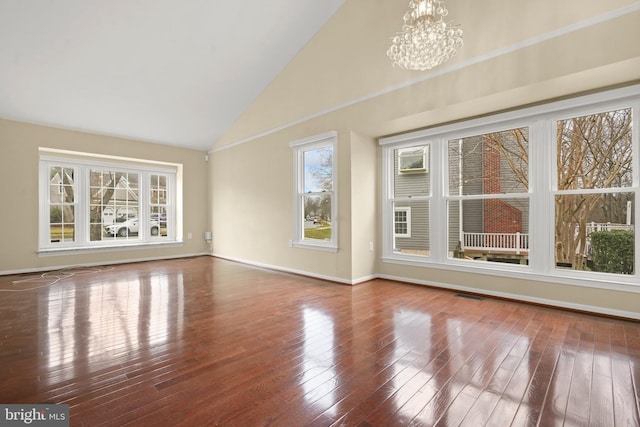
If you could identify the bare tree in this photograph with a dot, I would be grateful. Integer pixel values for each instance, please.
(322, 173)
(593, 152)
(512, 147)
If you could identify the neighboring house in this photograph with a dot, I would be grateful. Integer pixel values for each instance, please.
(411, 217)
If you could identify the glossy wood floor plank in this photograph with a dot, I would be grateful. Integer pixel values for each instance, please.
(203, 341)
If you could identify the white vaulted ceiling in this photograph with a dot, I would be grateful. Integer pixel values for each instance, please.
(175, 72)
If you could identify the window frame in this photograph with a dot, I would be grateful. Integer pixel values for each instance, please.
(299, 147)
(83, 164)
(540, 120)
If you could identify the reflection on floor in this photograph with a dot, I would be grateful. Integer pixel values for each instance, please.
(203, 341)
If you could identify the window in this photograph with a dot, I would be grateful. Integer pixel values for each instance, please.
(594, 192)
(488, 200)
(159, 204)
(548, 192)
(410, 198)
(62, 204)
(315, 201)
(402, 222)
(91, 202)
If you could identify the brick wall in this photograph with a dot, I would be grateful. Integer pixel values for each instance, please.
(499, 216)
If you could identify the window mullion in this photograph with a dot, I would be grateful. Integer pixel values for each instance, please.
(387, 200)
(542, 174)
(438, 224)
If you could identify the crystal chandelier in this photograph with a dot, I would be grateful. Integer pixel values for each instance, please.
(425, 41)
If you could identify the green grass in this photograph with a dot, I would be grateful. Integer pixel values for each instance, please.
(55, 232)
(320, 233)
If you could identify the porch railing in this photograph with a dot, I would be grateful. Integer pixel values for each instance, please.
(606, 226)
(503, 242)
(518, 242)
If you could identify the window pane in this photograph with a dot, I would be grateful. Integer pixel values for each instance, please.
(489, 230)
(411, 173)
(317, 217)
(318, 170)
(578, 216)
(114, 204)
(493, 163)
(595, 151)
(411, 227)
(62, 223)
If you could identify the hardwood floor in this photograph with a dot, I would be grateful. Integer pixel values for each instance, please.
(203, 341)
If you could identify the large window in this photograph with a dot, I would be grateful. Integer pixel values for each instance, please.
(88, 202)
(315, 202)
(548, 191)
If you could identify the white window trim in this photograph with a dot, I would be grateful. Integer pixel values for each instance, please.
(82, 163)
(407, 210)
(299, 147)
(540, 121)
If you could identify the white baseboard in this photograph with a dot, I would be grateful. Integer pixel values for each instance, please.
(515, 297)
(286, 270)
(94, 264)
(518, 297)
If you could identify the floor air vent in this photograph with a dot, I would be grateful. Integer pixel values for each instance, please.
(474, 297)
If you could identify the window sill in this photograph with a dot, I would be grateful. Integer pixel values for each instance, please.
(317, 246)
(110, 248)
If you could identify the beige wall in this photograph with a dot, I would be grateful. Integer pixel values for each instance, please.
(253, 207)
(516, 54)
(363, 180)
(19, 143)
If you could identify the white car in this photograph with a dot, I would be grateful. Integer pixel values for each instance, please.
(130, 227)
